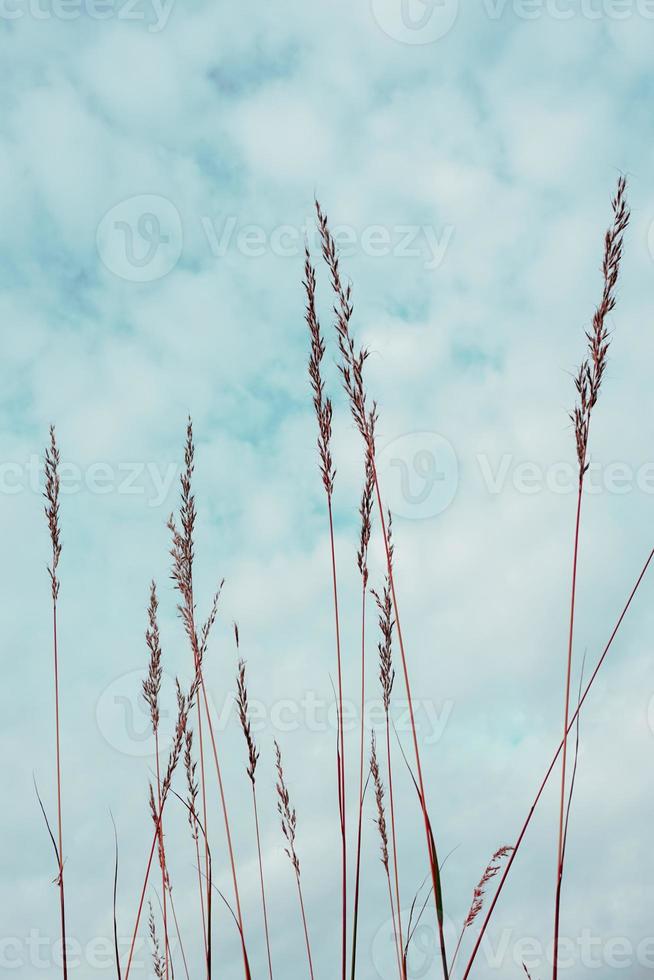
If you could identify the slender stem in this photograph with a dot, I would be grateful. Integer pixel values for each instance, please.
(341, 741)
(573, 596)
(226, 819)
(438, 898)
(179, 936)
(229, 844)
(198, 669)
(263, 889)
(203, 784)
(391, 801)
(203, 781)
(142, 899)
(357, 880)
(304, 923)
(573, 719)
(62, 900)
(162, 854)
(201, 890)
(398, 951)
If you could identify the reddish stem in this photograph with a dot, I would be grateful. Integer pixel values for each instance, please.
(163, 857)
(62, 900)
(357, 879)
(204, 817)
(142, 899)
(227, 829)
(391, 801)
(263, 889)
(438, 898)
(398, 951)
(512, 856)
(179, 937)
(573, 596)
(201, 890)
(341, 740)
(304, 923)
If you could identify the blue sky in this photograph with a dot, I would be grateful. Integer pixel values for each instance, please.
(159, 165)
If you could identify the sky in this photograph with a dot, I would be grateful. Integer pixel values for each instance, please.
(160, 161)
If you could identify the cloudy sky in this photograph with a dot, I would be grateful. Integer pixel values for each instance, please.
(159, 162)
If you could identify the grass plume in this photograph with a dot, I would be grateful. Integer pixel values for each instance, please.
(288, 818)
(588, 382)
(253, 758)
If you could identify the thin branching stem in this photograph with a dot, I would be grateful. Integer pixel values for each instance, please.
(552, 764)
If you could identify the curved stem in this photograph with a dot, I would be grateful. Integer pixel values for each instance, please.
(341, 741)
(433, 859)
(566, 721)
(391, 800)
(263, 890)
(162, 853)
(573, 719)
(357, 880)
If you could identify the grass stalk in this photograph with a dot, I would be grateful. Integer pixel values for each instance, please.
(52, 488)
(588, 383)
(253, 758)
(288, 819)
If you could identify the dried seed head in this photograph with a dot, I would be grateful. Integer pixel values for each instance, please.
(182, 549)
(183, 706)
(51, 494)
(321, 404)
(588, 379)
(379, 799)
(480, 891)
(365, 512)
(191, 783)
(152, 683)
(160, 839)
(182, 553)
(386, 625)
(286, 812)
(352, 363)
(243, 714)
(157, 959)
